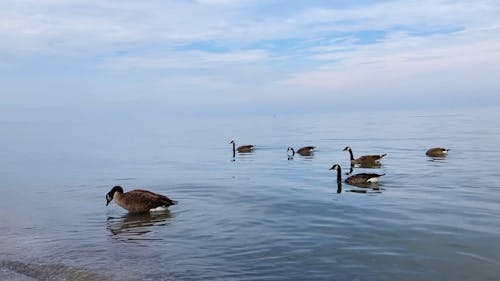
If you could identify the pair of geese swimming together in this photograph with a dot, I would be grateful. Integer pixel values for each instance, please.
(304, 151)
(139, 200)
(365, 161)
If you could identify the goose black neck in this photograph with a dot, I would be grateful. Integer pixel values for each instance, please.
(116, 188)
(293, 151)
(339, 174)
(350, 153)
(234, 150)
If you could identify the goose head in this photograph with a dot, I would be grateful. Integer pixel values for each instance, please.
(348, 148)
(335, 167)
(231, 142)
(111, 194)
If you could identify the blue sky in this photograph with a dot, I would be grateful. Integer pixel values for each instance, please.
(243, 55)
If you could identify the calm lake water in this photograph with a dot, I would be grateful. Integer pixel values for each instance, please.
(262, 216)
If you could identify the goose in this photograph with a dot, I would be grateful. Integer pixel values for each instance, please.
(437, 152)
(362, 179)
(365, 160)
(241, 149)
(139, 200)
(304, 151)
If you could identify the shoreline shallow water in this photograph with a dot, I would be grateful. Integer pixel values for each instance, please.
(19, 271)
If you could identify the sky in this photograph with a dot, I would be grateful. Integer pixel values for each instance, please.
(245, 56)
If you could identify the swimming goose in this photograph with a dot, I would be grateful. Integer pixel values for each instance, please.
(361, 180)
(242, 149)
(139, 201)
(365, 161)
(437, 152)
(304, 151)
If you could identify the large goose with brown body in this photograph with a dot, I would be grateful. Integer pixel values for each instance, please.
(365, 160)
(437, 152)
(304, 151)
(139, 200)
(361, 180)
(242, 149)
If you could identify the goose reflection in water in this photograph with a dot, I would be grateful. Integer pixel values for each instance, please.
(364, 190)
(133, 226)
(367, 165)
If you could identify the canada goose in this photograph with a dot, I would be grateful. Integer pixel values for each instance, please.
(365, 161)
(138, 201)
(437, 152)
(361, 180)
(304, 151)
(241, 149)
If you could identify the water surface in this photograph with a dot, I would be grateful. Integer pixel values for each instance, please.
(261, 216)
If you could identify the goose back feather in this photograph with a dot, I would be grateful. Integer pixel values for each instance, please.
(361, 180)
(365, 160)
(306, 150)
(437, 152)
(245, 148)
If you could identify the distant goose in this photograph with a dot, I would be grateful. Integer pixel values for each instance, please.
(139, 201)
(304, 151)
(242, 149)
(437, 152)
(362, 179)
(365, 160)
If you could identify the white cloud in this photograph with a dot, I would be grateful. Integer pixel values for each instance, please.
(185, 60)
(98, 25)
(407, 65)
(255, 50)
